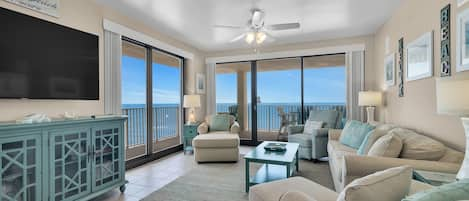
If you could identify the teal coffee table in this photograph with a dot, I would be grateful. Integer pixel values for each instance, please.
(277, 165)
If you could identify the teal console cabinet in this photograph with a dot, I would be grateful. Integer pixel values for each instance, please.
(62, 160)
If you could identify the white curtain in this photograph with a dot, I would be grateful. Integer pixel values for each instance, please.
(355, 65)
(211, 89)
(112, 73)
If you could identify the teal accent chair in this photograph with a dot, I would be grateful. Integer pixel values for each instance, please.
(313, 145)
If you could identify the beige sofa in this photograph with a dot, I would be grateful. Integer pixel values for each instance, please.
(274, 191)
(217, 146)
(346, 165)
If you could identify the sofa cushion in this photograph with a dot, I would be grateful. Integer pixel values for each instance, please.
(220, 122)
(311, 126)
(296, 196)
(449, 192)
(219, 140)
(452, 156)
(419, 147)
(329, 117)
(354, 133)
(274, 190)
(379, 131)
(389, 145)
(388, 185)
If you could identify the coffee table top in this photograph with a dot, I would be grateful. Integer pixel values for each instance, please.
(260, 154)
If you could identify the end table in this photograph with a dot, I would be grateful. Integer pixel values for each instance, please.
(190, 131)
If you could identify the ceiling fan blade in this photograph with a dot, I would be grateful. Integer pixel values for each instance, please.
(279, 27)
(240, 37)
(228, 27)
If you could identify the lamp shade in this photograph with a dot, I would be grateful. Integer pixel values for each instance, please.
(191, 101)
(452, 96)
(370, 98)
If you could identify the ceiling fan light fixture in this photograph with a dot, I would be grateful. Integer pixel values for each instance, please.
(260, 37)
(250, 37)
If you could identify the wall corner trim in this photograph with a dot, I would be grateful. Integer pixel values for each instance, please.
(127, 32)
(289, 53)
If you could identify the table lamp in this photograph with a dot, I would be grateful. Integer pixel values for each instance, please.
(191, 102)
(370, 99)
(452, 97)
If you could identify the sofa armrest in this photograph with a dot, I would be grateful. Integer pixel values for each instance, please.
(294, 129)
(235, 128)
(203, 128)
(355, 166)
(334, 134)
(322, 132)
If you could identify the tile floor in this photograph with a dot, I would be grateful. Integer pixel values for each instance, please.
(150, 177)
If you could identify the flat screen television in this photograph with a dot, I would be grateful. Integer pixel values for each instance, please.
(43, 60)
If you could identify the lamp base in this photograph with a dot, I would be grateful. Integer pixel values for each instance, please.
(370, 114)
(464, 171)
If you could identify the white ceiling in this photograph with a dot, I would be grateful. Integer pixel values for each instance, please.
(191, 21)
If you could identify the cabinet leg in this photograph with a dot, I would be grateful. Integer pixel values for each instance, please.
(122, 188)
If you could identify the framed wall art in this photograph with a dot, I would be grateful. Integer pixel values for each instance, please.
(390, 70)
(49, 7)
(420, 57)
(462, 44)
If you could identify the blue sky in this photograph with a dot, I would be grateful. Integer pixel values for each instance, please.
(166, 82)
(322, 85)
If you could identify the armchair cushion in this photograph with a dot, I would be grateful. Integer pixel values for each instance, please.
(354, 133)
(389, 185)
(311, 126)
(235, 128)
(203, 128)
(329, 117)
(220, 123)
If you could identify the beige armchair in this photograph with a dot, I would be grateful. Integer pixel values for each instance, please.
(218, 139)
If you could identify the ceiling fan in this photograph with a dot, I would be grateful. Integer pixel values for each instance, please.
(257, 31)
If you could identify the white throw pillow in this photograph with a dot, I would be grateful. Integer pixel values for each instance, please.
(388, 185)
(295, 196)
(310, 126)
(390, 145)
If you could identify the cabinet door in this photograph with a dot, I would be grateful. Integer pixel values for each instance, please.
(108, 156)
(69, 162)
(21, 168)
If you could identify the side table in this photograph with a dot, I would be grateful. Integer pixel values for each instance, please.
(190, 131)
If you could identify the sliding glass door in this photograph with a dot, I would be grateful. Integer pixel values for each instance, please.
(134, 97)
(166, 96)
(151, 97)
(284, 90)
(233, 93)
(278, 96)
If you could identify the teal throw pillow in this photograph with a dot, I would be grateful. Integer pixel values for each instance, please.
(354, 133)
(361, 149)
(220, 123)
(458, 190)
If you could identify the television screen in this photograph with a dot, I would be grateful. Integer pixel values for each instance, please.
(43, 60)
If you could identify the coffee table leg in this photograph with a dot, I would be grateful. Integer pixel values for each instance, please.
(297, 161)
(247, 176)
(288, 170)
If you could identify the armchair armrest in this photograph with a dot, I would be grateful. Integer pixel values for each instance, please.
(294, 129)
(203, 128)
(322, 132)
(355, 166)
(334, 134)
(235, 128)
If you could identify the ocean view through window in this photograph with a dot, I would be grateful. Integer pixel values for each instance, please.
(157, 78)
(279, 88)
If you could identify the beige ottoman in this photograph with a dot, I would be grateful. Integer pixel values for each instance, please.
(216, 147)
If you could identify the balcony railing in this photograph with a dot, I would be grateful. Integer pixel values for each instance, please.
(268, 118)
(165, 123)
